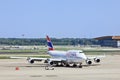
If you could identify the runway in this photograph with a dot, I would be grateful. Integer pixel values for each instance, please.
(108, 69)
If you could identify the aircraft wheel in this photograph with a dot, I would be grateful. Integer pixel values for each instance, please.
(63, 64)
(74, 65)
(80, 66)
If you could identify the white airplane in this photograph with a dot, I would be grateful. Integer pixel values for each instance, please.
(68, 58)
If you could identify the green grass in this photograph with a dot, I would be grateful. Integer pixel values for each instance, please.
(23, 51)
(38, 56)
(41, 52)
(4, 57)
(14, 51)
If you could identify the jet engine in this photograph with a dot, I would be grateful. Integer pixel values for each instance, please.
(88, 62)
(97, 60)
(31, 61)
(51, 62)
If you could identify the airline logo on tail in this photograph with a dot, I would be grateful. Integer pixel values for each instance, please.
(49, 43)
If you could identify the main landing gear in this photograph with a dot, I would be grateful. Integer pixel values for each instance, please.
(73, 65)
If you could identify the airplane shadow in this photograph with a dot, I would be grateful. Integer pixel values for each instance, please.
(91, 65)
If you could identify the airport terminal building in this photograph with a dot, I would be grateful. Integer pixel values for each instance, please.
(109, 41)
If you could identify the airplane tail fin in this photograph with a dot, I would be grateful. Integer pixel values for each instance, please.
(49, 44)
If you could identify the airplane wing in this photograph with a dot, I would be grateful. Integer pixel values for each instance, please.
(30, 59)
(53, 59)
(33, 58)
(18, 57)
(93, 57)
(96, 59)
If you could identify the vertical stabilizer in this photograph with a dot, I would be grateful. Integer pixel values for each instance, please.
(49, 43)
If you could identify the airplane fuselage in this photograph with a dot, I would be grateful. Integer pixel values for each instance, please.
(70, 56)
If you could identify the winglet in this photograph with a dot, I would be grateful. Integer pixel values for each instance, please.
(49, 43)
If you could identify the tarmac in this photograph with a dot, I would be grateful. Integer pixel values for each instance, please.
(20, 69)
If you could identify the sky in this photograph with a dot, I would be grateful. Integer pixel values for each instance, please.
(59, 18)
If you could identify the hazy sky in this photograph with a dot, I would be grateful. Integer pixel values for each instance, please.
(59, 18)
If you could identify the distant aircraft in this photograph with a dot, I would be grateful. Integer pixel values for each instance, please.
(73, 58)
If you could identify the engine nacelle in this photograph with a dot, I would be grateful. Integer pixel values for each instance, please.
(51, 63)
(31, 61)
(97, 60)
(88, 62)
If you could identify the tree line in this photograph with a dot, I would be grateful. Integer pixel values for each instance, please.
(42, 41)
